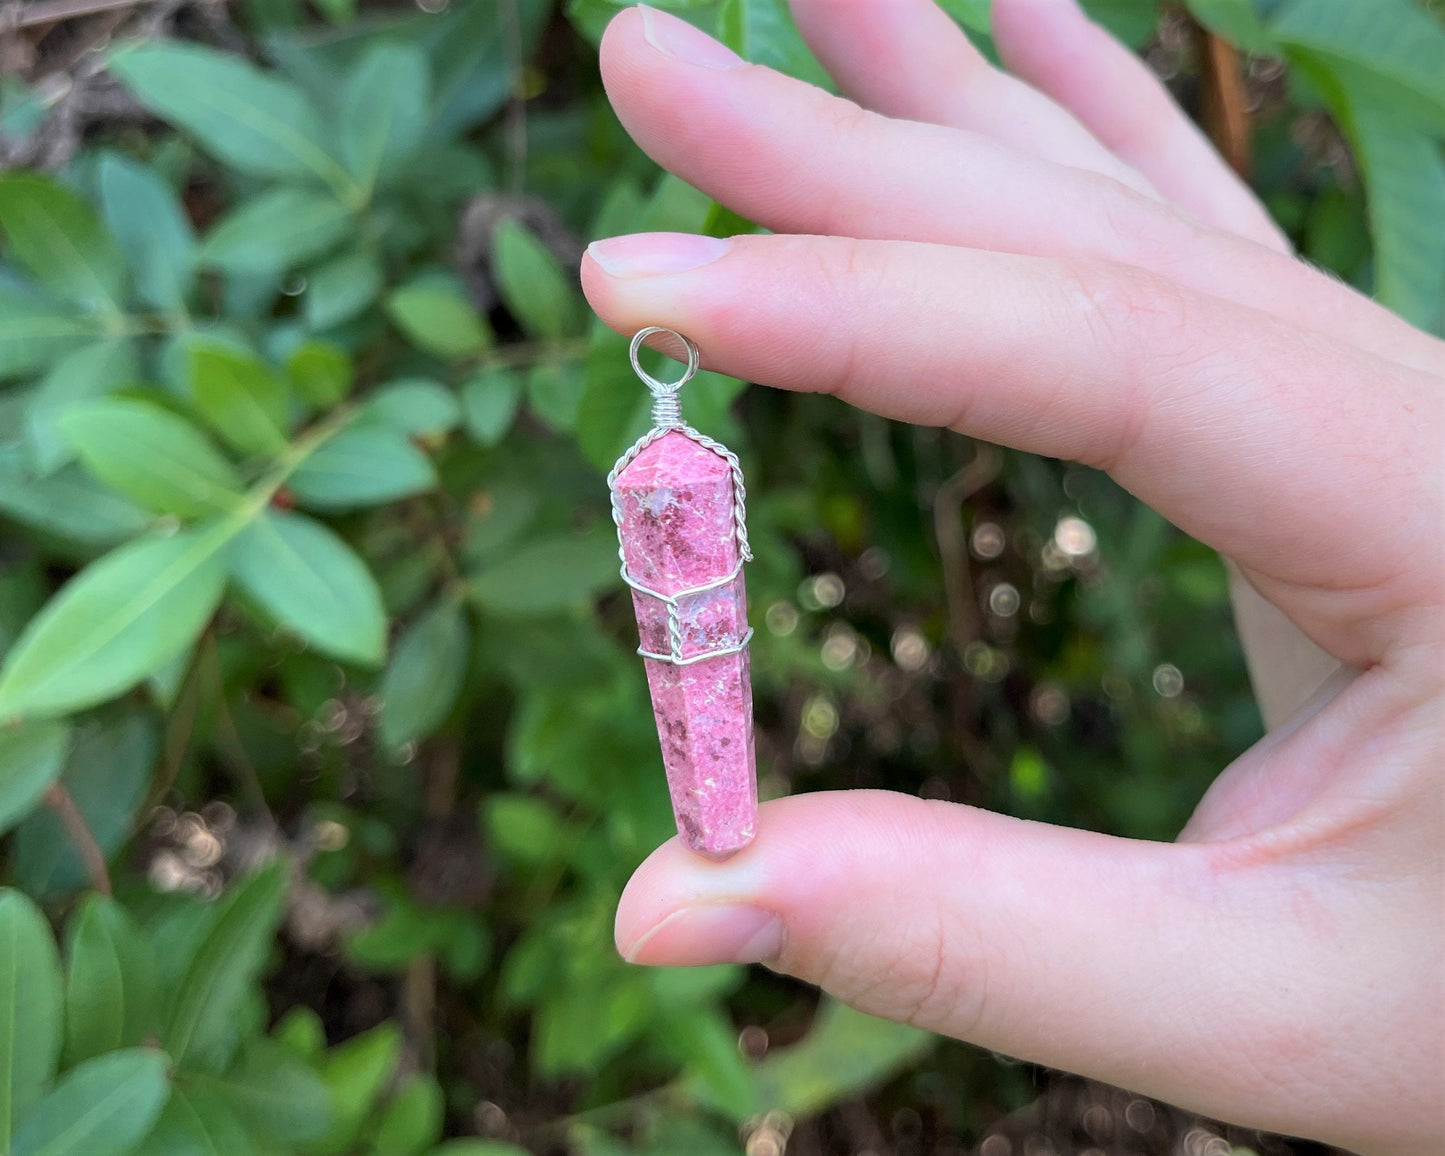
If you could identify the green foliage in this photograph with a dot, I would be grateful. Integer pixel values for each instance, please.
(306, 560)
(312, 582)
(121, 619)
(58, 238)
(103, 1107)
(30, 1009)
(200, 1024)
(31, 757)
(110, 983)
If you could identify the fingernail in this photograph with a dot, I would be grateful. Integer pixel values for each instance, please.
(649, 254)
(693, 936)
(677, 38)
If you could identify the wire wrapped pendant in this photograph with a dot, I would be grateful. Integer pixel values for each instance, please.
(678, 501)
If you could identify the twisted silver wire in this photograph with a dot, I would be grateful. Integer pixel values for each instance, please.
(667, 418)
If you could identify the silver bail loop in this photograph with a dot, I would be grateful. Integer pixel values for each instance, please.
(666, 408)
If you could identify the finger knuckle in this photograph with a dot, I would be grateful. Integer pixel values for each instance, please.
(929, 974)
(1141, 330)
(844, 275)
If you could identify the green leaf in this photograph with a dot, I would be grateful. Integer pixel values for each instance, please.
(412, 1120)
(536, 291)
(282, 1098)
(1237, 22)
(763, 32)
(470, 48)
(404, 930)
(489, 403)
(337, 11)
(1391, 47)
(55, 235)
(313, 584)
(580, 1026)
(23, 590)
(416, 406)
(713, 1067)
(301, 1033)
(195, 1122)
(1405, 182)
(555, 391)
(355, 1073)
(113, 623)
(972, 14)
(364, 466)
(524, 829)
(424, 676)
(549, 575)
(107, 774)
(111, 985)
(151, 456)
(438, 320)
(241, 398)
(165, 682)
(844, 1055)
(470, 1147)
(29, 1009)
(84, 375)
(34, 331)
(723, 222)
(147, 219)
(31, 758)
(340, 289)
(102, 1108)
(277, 230)
(256, 123)
(1132, 21)
(320, 372)
(70, 505)
(384, 110)
(200, 1030)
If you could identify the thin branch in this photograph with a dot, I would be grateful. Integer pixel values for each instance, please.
(53, 11)
(230, 737)
(981, 469)
(1226, 101)
(516, 123)
(59, 800)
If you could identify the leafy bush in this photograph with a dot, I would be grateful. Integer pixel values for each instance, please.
(323, 742)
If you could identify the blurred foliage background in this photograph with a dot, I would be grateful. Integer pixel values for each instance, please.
(325, 754)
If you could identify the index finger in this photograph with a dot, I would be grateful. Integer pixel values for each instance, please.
(1203, 408)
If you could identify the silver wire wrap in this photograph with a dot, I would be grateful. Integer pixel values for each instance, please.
(667, 417)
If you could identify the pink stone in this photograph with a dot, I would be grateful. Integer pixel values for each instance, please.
(676, 500)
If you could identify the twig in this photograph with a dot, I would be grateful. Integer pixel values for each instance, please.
(62, 802)
(239, 760)
(511, 17)
(419, 985)
(981, 469)
(53, 11)
(178, 733)
(1226, 103)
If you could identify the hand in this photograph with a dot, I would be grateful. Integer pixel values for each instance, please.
(1065, 266)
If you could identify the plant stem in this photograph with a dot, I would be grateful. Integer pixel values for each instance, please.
(62, 802)
(52, 11)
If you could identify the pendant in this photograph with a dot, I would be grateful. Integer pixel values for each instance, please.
(678, 501)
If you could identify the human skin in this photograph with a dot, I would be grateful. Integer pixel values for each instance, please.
(1057, 261)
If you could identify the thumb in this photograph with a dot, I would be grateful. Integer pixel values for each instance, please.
(1111, 957)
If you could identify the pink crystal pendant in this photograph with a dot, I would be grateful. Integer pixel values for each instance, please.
(678, 501)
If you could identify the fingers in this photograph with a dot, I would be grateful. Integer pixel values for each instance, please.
(798, 160)
(1198, 406)
(1060, 51)
(1163, 968)
(908, 59)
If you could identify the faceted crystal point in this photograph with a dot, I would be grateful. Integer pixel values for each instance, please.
(676, 500)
